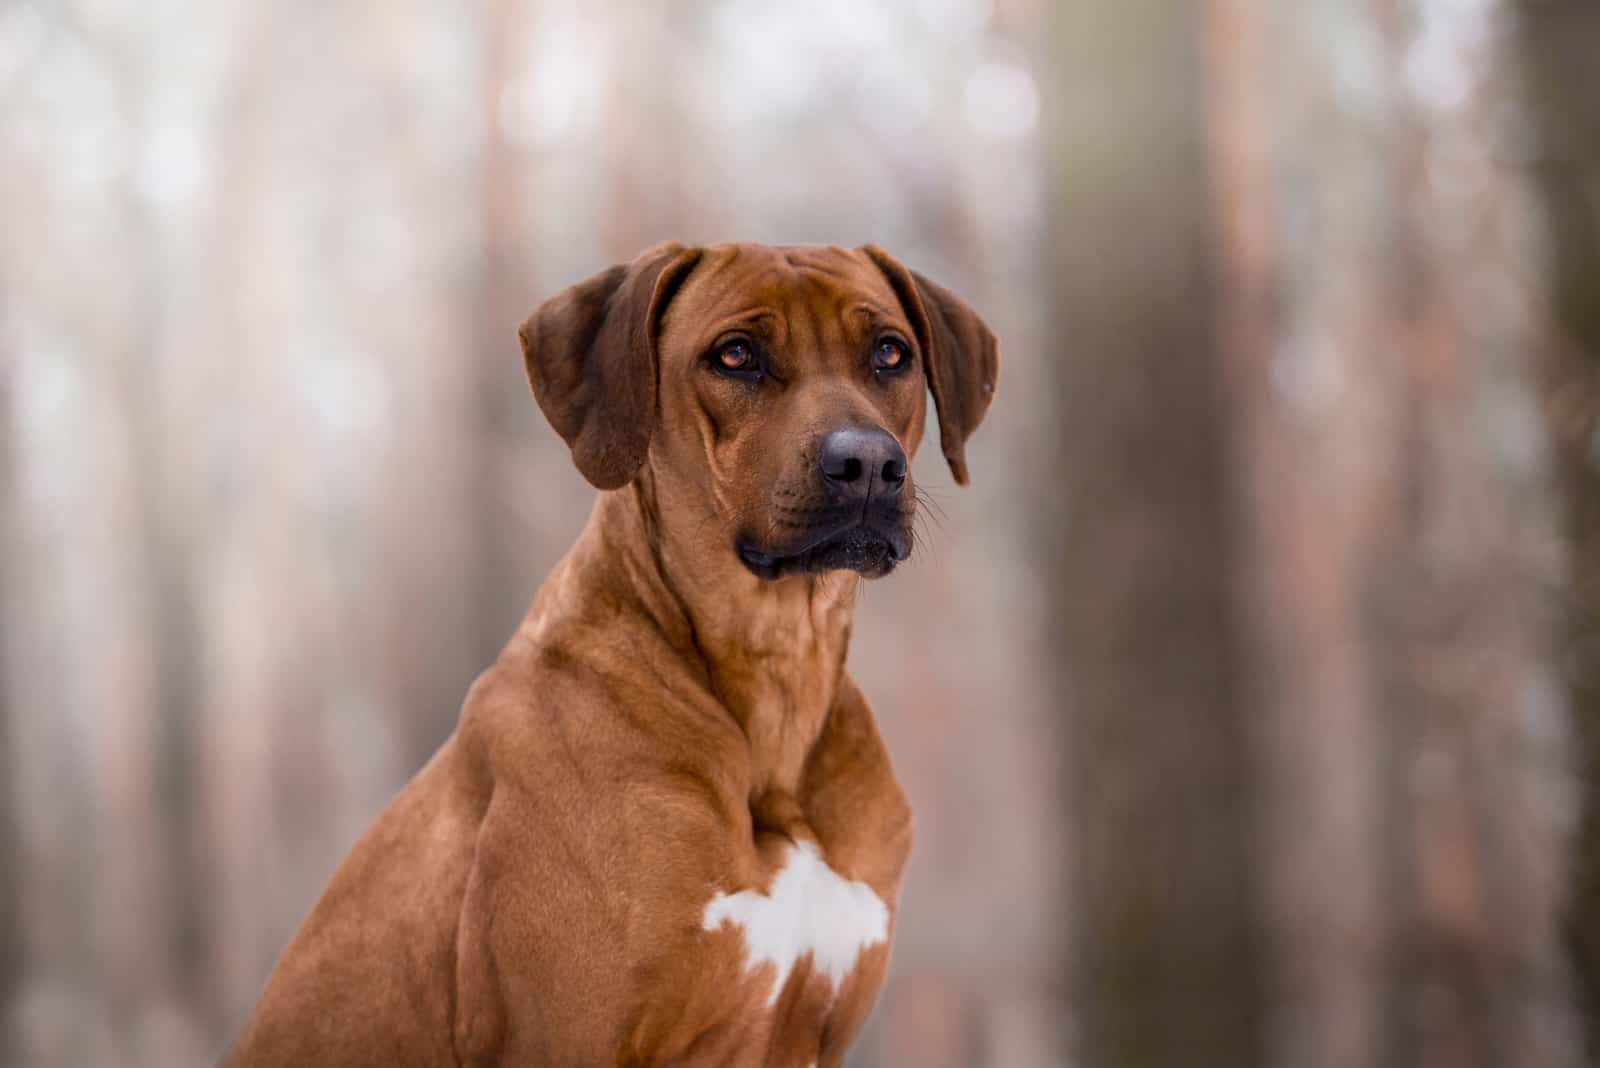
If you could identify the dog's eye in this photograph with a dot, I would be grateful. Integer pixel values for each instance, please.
(889, 355)
(737, 357)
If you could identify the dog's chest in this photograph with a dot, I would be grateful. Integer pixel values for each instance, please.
(790, 956)
(810, 916)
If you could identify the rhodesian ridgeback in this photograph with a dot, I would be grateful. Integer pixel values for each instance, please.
(665, 830)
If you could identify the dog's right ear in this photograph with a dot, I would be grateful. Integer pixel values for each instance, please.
(591, 356)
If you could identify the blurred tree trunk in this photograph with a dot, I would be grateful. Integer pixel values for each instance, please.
(504, 298)
(166, 601)
(1165, 962)
(1314, 735)
(156, 948)
(1559, 42)
(11, 944)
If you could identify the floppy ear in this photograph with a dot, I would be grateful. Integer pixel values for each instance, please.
(591, 356)
(961, 353)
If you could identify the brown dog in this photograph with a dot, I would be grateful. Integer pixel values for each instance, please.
(665, 831)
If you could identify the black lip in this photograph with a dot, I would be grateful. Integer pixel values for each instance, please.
(842, 547)
(755, 559)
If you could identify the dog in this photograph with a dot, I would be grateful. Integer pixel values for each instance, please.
(665, 830)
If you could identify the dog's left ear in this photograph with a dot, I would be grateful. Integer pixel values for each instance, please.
(590, 352)
(962, 355)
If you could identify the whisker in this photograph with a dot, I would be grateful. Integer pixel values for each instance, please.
(933, 496)
(923, 542)
(935, 510)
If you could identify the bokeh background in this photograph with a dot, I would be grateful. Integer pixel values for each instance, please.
(1249, 700)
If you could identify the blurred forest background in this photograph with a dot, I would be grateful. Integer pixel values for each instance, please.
(1249, 701)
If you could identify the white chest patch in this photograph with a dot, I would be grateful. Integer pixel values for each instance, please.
(810, 909)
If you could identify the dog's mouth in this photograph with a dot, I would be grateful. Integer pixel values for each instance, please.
(864, 547)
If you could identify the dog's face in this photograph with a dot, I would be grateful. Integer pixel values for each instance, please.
(776, 394)
(792, 382)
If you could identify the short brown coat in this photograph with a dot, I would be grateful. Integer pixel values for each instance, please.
(663, 722)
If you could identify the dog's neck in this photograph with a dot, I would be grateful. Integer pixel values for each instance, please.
(772, 652)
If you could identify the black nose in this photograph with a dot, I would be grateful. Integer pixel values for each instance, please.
(856, 461)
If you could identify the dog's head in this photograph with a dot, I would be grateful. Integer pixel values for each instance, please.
(775, 394)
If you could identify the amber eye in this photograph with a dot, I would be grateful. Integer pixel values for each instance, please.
(736, 356)
(889, 355)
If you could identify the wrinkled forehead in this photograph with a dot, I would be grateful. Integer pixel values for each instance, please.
(793, 293)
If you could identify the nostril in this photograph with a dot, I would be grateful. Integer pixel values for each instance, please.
(841, 468)
(894, 470)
